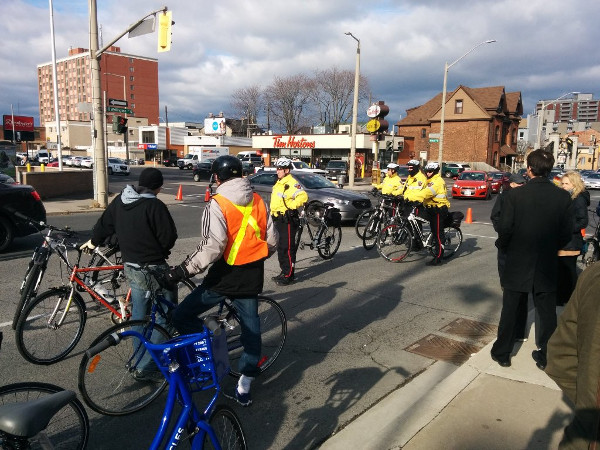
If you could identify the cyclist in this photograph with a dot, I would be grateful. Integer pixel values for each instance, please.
(416, 179)
(146, 234)
(237, 236)
(435, 201)
(391, 182)
(287, 196)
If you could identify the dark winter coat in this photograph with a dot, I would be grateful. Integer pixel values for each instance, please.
(580, 212)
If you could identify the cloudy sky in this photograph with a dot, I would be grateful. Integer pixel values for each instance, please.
(544, 48)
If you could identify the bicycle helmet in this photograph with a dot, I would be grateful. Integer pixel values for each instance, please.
(432, 167)
(393, 166)
(284, 163)
(413, 167)
(226, 167)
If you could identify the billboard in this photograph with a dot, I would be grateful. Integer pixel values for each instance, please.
(23, 127)
(214, 125)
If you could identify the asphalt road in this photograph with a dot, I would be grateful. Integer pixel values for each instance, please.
(351, 323)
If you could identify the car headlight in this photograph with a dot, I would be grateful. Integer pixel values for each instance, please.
(338, 201)
(483, 186)
(456, 186)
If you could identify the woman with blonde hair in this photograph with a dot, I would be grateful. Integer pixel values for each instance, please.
(567, 270)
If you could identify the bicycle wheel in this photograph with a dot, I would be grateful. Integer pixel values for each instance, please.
(328, 241)
(452, 239)
(227, 428)
(298, 236)
(29, 290)
(394, 242)
(273, 331)
(68, 429)
(362, 220)
(39, 337)
(371, 231)
(106, 380)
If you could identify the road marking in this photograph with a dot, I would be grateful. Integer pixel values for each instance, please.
(478, 235)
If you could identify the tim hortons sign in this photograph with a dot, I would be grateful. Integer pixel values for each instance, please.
(292, 142)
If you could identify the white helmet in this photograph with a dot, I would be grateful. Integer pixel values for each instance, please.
(413, 162)
(393, 166)
(284, 163)
(432, 167)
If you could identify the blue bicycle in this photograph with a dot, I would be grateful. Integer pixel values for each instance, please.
(190, 363)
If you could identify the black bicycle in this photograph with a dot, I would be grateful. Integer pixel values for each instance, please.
(591, 245)
(323, 225)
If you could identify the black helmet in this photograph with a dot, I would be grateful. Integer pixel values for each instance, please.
(226, 167)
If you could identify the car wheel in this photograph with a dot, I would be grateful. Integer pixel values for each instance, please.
(196, 177)
(190, 166)
(110, 171)
(448, 174)
(180, 167)
(6, 234)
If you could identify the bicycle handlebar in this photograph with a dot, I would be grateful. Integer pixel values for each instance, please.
(111, 340)
(40, 224)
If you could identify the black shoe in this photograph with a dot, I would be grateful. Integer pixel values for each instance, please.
(277, 277)
(242, 399)
(285, 281)
(434, 262)
(502, 362)
(539, 358)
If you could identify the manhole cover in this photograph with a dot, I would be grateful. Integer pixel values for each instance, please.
(438, 347)
(471, 329)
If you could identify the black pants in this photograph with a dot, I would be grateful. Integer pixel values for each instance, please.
(437, 218)
(567, 278)
(286, 246)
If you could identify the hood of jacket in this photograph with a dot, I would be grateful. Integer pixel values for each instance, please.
(237, 190)
(132, 196)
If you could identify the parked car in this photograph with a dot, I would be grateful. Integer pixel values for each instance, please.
(299, 166)
(6, 179)
(202, 170)
(592, 180)
(350, 203)
(23, 199)
(87, 162)
(117, 165)
(247, 168)
(170, 161)
(472, 184)
(555, 175)
(402, 172)
(500, 181)
(337, 167)
(77, 161)
(67, 160)
(450, 170)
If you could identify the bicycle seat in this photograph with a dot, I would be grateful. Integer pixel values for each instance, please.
(29, 418)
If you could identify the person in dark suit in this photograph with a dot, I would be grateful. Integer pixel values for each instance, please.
(536, 222)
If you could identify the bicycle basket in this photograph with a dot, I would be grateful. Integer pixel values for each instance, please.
(203, 358)
(333, 217)
(453, 219)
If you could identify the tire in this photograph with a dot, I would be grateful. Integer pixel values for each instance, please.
(228, 430)
(42, 343)
(110, 171)
(362, 220)
(448, 174)
(328, 241)
(28, 292)
(394, 242)
(105, 380)
(298, 237)
(273, 331)
(371, 231)
(189, 166)
(452, 240)
(69, 428)
(7, 234)
(592, 254)
(196, 178)
(180, 167)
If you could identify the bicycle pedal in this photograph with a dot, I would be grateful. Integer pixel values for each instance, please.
(301, 246)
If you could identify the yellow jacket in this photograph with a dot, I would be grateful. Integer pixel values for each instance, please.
(433, 194)
(412, 183)
(390, 184)
(287, 194)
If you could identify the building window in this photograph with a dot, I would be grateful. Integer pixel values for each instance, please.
(132, 105)
(132, 97)
(131, 69)
(131, 60)
(423, 133)
(458, 107)
(497, 134)
(131, 78)
(131, 87)
(148, 137)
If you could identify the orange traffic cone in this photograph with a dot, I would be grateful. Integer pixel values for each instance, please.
(207, 194)
(179, 195)
(469, 218)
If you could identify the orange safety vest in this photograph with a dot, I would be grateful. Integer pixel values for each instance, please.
(246, 230)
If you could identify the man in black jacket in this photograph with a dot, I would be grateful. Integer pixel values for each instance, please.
(535, 223)
(146, 234)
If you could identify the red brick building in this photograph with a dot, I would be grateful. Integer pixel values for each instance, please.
(123, 77)
(481, 125)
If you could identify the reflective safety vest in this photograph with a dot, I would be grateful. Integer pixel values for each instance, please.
(246, 230)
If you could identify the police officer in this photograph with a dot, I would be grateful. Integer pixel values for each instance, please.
(435, 201)
(391, 182)
(416, 179)
(287, 196)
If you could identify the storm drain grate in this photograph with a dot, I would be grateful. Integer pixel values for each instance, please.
(438, 347)
(471, 329)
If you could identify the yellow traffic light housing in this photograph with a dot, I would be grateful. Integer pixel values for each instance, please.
(164, 31)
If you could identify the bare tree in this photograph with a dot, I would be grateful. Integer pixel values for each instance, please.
(247, 102)
(288, 100)
(332, 91)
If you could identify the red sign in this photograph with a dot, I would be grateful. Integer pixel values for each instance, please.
(292, 142)
(22, 123)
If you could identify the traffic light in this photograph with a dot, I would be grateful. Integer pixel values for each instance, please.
(389, 145)
(121, 124)
(400, 146)
(115, 124)
(569, 143)
(164, 31)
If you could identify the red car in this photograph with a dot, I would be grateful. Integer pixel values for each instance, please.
(473, 184)
(499, 181)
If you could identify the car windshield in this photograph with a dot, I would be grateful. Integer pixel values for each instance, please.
(497, 175)
(593, 176)
(188, 156)
(300, 165)
(472, 176)
(313, 181)
(402, 172)
(336, 165)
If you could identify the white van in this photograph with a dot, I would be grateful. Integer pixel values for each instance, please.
(44, 157)
(253, 157)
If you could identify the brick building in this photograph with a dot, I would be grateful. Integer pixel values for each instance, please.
(123, 76)
(481, 126)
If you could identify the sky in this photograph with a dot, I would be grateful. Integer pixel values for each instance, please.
(543, 48)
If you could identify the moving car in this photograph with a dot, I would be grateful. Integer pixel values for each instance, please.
(473, 184)
(170, 161)
(23, 199)
(202, 170)
(500, 181)
(117, 165)
(592, 180)
(350, 203)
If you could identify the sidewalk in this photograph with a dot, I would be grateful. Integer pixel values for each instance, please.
(474, 406)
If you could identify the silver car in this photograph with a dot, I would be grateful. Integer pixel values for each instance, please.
(350, 203)
(592, 180)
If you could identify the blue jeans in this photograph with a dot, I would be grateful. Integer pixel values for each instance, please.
(200, 300)
(140, 283)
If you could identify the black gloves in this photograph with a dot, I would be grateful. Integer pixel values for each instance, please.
(176, 274)
(374, 191)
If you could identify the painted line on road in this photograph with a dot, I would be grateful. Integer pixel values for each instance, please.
(5, 324)
(478, 235)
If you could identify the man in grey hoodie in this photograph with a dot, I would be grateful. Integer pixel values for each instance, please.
(237, 236)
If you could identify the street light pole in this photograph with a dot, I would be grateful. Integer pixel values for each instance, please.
(446, 68)
(354, 112)
(541, 116)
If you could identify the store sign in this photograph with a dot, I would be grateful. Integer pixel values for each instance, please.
(292, 142)
(147, 146)
(215, 125)
(21, 123)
